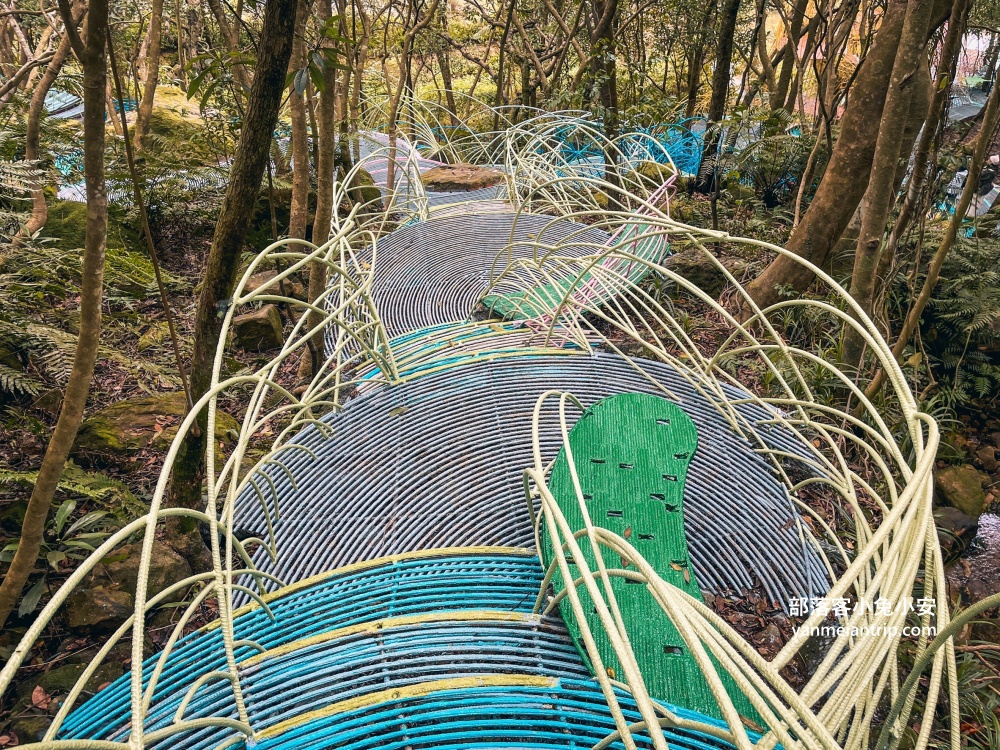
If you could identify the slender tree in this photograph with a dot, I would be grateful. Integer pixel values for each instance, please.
(846, 177)
(36, 109)
(153, 45)
(274, 50)
(882, 186)
(90, 50)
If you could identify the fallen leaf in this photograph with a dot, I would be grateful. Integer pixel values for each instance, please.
(39, 698)
(628, 532)
(611, 672)
(398, 410)
(675, 566)
(7, 740)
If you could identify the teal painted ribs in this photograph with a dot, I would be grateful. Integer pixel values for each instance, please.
(631, 454)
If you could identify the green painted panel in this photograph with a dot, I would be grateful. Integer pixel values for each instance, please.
(631, 453)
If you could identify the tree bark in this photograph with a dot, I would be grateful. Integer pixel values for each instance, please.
(274, 52)
(444, 63)
(882, 185)
(950, 49)
(780, 95)
(299, 211)
(325, 175)
(697, 60)
(91, 53)
(32, 142)
(846, 177)
(991, 118)
(231, 37)
(720, 89)
(153, 47)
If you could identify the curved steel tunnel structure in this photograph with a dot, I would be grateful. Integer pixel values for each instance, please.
(405, 617)
(436, 649)
(437, 462)
(436, 271)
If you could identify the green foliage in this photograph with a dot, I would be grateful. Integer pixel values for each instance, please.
(70, 534)
(326, 54)
(960, 329)
(16, 179)
(765, 151)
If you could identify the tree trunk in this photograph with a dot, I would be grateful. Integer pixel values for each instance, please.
(231, 37)
(720, 90)
(991, 118)
(780, 96)
(846, 177)
(325, 175)
(881, 187)
(32, 142)
(360, 60)
(950, 49)
(299, 212)
(92, 58)
(274, 50)
(444, 63)
(697, 61)
(153, 46)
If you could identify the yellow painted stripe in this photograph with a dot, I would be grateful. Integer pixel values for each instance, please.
(481, 615)
(368, 564)
(410, 691)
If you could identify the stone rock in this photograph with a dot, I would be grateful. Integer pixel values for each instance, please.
(293, 287)
(30, 728)
(362, 189)
(166, 568)
(259, 330)
(59, 681)
(955, 529)
(987, 456)
(769, 640)
(450, 178)
(97, 609)
(961, 487)
(129, 426)
(695, 266)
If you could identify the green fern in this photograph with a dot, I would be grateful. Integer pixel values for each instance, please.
(111, 494)
(18, 383)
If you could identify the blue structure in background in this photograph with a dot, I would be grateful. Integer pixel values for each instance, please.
(684, 140)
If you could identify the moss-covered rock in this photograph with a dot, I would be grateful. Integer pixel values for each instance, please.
(961, 487)
(259, 330)
(97, 609)
(128, 270)
(694, 265)
(30, 727)
(362, 188)
(166, 568)
(651, 174)
(125, 428)
(59, 681)
(181, 135)
(66, 225)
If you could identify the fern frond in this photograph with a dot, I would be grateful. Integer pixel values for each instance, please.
(18, 383)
